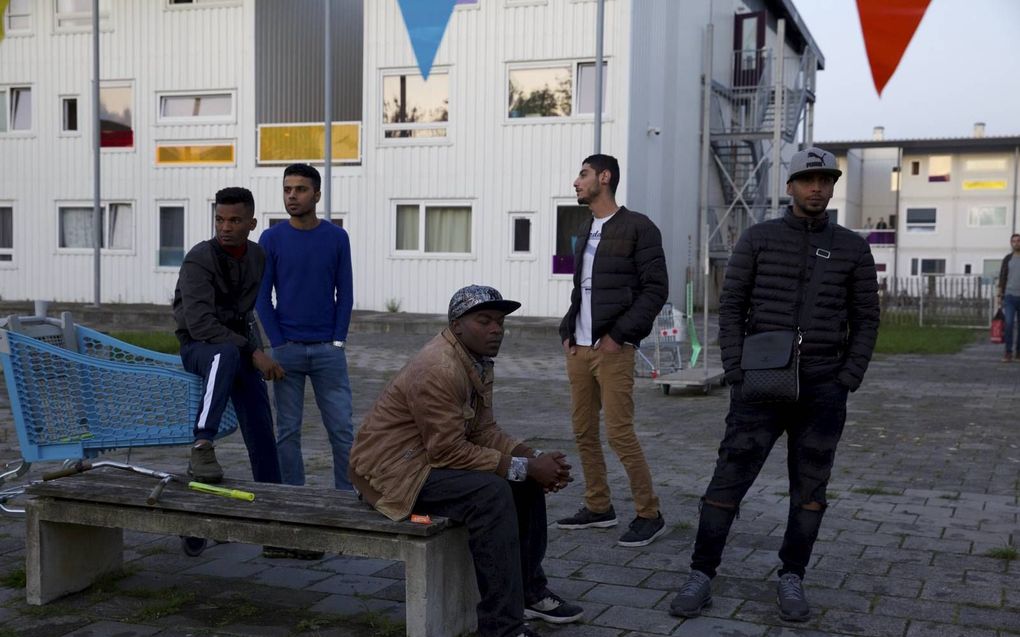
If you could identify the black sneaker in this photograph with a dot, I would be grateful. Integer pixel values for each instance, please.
(279, 552)
(793, 605)
(527, 632)
(643, 531)
(203, 466)
(585, 518)
(694, 595)
(553, 609)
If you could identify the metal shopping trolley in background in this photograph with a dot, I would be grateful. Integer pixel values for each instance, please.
(665, 340)
(76, 393)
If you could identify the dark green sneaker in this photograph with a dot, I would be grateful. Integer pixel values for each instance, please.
(203, 466)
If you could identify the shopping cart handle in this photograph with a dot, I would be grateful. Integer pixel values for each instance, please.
(78, 467)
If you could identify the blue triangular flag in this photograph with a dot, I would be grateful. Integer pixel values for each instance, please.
(426, 22)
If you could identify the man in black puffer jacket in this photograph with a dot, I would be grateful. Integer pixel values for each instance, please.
(620, 284)
(762, 291)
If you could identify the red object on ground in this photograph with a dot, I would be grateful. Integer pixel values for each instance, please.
(998, 330)
(888, 26)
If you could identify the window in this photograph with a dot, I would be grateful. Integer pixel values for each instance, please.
(115, 117)
(76, 15)
(921, 219)
(833, 214)
(939, 167)
(894, 179)
(414, 107)
(196, 108)
(171, 235)
(17, 18)
(520, 235)
(986, 216)
(880, 267)
(996, 165)
(967, 268)
(6, 233)
(69, 114)
(569, 222)
(990, 269)
(554, 91)
(75, 226)
(927, 266)
(433, 228)
(16, 107)
(915, 168)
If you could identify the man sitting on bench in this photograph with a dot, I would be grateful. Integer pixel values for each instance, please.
(431, 445)
(214, 309)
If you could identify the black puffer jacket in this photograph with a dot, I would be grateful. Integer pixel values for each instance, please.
(760, 294)
(629, 283)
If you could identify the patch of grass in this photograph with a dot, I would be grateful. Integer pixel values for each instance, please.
(1008, 553)
(380, 625)
(310, 624)
(832, 495)
(8, 632)
(14, 579)
(392, 305)
(873, 491)
(236, 610)
(682, 526)
(911, 339)
(168, 603)
(164, 342)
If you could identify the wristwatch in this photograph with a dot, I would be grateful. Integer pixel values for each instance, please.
(339, 344)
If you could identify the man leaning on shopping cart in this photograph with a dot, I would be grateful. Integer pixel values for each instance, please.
(214, 309)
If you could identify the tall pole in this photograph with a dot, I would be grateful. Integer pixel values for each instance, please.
(97, 209)
(327, 48)
(706, 104)
(778, 56)
(600, 26)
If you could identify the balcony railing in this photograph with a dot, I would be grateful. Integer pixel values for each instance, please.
(878, 238)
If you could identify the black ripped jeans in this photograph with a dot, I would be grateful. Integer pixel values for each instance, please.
(813, 425)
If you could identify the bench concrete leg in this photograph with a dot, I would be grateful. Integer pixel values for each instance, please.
(66, 558)
(441, 592)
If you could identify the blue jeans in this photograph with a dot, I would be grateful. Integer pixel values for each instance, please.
(1011, 308)
(326, 366)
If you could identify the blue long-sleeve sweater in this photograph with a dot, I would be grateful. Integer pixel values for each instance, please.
(310, 271)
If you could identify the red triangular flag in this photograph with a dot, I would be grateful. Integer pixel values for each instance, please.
(888, 26)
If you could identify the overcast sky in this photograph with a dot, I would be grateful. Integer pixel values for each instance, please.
(961, 67)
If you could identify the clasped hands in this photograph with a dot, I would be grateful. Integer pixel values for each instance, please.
(550, 470)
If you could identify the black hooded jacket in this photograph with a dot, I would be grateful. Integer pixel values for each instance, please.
(760, 294)
(629, 283)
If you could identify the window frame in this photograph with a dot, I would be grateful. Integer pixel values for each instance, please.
(197, 119)
(940, 178)
(128, 84)
(19, 33)
(530, 216)
(171, 203)
(104, 18)
(12, 263)
(60, 106)
(920, 228)
(104, 205)
(574, 65)
(557, 203)
(445, 140)
(423, 205)
(1005, 216)
(917, 266)
(8, 115)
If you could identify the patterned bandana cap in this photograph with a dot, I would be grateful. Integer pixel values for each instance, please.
(813, 160)
(478, 297)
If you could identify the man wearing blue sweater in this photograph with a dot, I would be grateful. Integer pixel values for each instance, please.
(308, 265)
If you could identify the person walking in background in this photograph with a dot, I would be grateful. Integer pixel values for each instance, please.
(308, 266)
(213, 308)
(620, 284)
(1009, 297)
(762, 293)
(431, 445)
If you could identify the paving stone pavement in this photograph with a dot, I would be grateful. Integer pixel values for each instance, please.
(924, 491)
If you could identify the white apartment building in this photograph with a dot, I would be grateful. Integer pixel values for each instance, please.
(463, 178)
(950, 203)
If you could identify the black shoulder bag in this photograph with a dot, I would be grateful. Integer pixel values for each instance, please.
(771, 360)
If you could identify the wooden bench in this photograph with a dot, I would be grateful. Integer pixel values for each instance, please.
(75, 534)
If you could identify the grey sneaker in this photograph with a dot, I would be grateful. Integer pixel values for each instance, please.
(793, 606)
(585, 518)
(643, 531)
(553, 609)
(694, 595)
(203, 466)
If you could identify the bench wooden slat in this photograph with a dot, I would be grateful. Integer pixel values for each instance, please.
(273, 502)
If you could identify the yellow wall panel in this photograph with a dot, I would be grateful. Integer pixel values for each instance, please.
(287, 143)
(190, 154)
(984, 184)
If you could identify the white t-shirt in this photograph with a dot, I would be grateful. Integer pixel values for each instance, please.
(582, 326)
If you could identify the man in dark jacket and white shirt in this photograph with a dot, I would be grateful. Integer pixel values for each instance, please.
(620, 284)
(214, 309)
(762, 292)
(1009, 295)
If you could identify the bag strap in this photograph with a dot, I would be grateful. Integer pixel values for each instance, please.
(822, 257)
